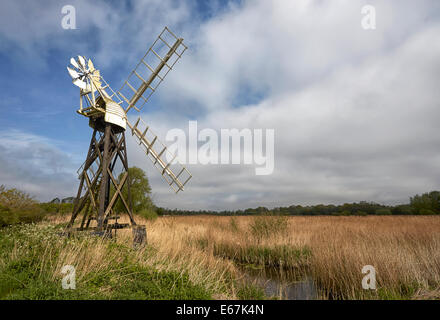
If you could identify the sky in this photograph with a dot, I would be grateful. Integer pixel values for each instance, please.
(355, 112)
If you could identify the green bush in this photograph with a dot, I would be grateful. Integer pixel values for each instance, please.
(7, 217)
(65, 208)
(148, 213)
(383, 212)
(17, 206)
(61, 208)
(426, 212)
(50, 207)
(403, 210)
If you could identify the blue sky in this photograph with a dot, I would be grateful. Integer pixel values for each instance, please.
(40, 97)
(353, 110)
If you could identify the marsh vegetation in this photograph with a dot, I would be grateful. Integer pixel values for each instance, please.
(250, 257)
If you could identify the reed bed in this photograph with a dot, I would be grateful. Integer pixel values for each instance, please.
(404, 250)
(205, 252)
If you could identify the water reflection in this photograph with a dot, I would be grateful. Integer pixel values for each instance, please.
(282, 284)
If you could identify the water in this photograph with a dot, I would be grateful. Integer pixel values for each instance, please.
(281, 284)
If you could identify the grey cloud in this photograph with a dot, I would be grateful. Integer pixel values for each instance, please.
(35, 165)
(355, 112)
(366, 132)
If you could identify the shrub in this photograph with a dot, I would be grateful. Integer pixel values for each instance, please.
(426, 212)
(49, 207)
(7, 217)
(65, 208)
(14, 198)
(403, 210)
(61, 208)
(383, 212)
(17, 206)
(148, 213)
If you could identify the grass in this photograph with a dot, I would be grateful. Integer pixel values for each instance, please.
(405, 250)
(33, 255)
(198, 257)
(276, 256)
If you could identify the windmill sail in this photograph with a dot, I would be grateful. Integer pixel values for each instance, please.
(152, 69)
(174, 173)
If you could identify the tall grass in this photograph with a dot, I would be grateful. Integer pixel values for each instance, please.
(32, 258)
(202, 254)
(265, 226)
(405, 250)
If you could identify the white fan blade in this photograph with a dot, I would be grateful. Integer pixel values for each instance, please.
(80, 83)
(82, 62)
(91, 66)
(74, 63)
(73, 73)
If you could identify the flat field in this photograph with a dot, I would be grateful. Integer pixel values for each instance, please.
(210, 257)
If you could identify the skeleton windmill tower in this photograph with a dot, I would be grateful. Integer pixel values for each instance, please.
(106, 163)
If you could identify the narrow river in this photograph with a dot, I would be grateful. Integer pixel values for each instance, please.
(282, 285)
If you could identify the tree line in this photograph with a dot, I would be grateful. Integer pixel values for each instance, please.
(19, 207)
(425, 204)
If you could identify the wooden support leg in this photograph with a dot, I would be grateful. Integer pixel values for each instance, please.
(78, 205)
(103, 192)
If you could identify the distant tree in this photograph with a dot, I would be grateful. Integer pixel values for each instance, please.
(18, 206)
(160, 211)
(427, 201)
(402, 209)
(261, 210)
(424, 211)
(250, 211)
(140, 191)
(383, 212)
(15, 199)
(434, 196)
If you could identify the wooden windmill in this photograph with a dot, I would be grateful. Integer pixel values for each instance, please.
(107, 113)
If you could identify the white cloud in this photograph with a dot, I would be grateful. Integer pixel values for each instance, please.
(354, 111)
(364, 132)
(36, 165)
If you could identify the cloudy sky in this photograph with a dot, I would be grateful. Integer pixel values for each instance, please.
(355, 112)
